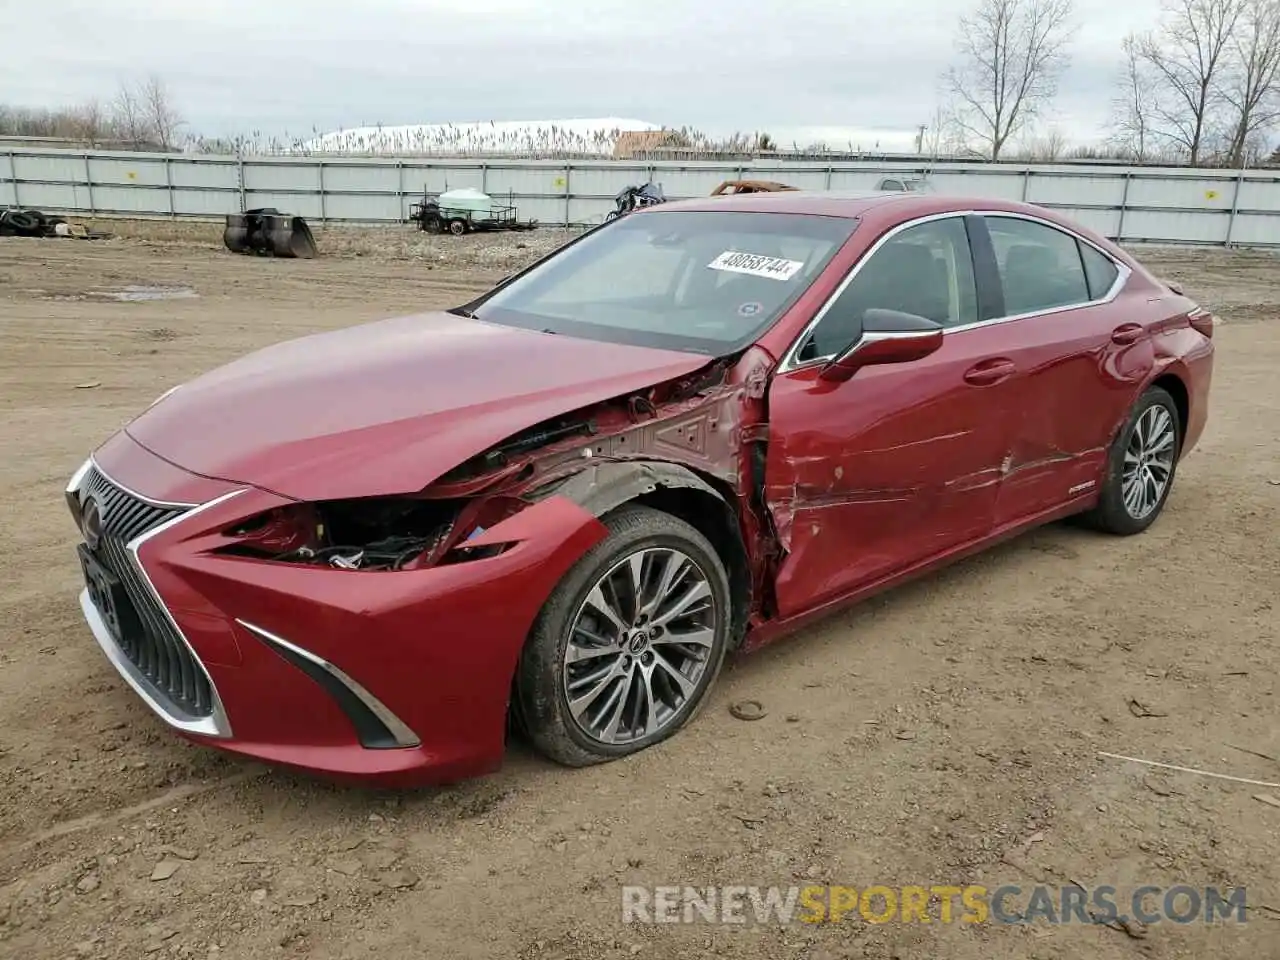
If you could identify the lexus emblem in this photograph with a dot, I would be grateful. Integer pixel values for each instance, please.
(91, 522)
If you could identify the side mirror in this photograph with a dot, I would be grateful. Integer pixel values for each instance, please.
(888, 336)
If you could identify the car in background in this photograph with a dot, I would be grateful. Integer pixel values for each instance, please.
(369, 553)
(897, 184)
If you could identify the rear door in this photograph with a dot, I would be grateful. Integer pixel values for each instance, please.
(902, 462)
(1081, 351)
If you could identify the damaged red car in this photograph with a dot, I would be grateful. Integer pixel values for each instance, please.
(372, 553)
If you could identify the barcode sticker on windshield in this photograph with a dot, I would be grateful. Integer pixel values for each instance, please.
(775, 268)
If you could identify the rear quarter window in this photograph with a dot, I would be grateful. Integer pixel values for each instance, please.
(1100, 271)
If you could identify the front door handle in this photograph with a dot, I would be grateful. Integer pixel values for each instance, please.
(1126, 333)
(989, 372)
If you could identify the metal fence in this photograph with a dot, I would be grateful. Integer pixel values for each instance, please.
(1131, 204)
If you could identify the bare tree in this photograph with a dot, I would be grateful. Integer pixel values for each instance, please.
(1011, 55)
(127, 118)
(1134, 106)
(158, 111)
(1050, 147)
(89, 122)
(1252, 88)
(1187, 56)
(941, 135)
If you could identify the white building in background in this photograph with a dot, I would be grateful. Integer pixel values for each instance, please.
(595, 136)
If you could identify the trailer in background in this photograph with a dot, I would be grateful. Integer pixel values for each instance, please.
(464, 211)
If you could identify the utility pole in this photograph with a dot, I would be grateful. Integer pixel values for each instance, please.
(920, 138)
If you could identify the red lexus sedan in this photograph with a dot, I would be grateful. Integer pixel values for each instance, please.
(368, 553)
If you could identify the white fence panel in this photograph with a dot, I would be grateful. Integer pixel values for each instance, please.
(199, 173)
(1089, 191)
(1175, 225)
(1256, 230)
(264, 176)
(208, 203)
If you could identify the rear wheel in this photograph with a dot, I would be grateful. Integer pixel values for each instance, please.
(1140, 467)
(625, 650)
(457, 226)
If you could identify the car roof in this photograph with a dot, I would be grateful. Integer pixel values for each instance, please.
(850, 204)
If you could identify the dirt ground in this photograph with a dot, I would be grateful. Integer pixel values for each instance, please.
(946, 733)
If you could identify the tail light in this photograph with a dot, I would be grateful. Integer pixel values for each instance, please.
(1202, 321)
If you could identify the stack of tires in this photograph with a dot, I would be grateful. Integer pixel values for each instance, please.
(28, 223)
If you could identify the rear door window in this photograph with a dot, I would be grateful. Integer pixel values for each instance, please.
(1040, 266)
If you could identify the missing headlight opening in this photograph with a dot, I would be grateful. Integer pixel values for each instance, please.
(383, 534)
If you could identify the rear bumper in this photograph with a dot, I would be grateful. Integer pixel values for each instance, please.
(396, 678)
(1199, 366)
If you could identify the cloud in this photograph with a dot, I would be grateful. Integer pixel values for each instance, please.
(785, 66)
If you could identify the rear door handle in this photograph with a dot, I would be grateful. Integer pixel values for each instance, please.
(1126, 333)
(989, 372)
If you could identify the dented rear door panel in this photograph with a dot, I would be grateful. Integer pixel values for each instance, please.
(1079, 388)
(897, 465)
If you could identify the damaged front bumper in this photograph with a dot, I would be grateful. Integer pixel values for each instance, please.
(398, 676)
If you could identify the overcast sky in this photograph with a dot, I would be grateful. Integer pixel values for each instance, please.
(791, 67)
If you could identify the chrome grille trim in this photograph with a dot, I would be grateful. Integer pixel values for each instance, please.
(191, 703)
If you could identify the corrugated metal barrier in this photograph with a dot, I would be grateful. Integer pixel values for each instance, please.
(1132, 204)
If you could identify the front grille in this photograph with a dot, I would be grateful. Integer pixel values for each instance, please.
(148, 638)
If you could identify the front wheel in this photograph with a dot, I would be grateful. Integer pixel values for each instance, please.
(625, 650)
(1140, 467)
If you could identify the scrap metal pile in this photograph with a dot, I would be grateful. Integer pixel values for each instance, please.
(634, 197)
(267, 231)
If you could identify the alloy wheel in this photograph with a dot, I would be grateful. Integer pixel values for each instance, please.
(1148, 462)
(639, 646)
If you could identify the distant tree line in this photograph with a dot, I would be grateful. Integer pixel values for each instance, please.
(141, 116)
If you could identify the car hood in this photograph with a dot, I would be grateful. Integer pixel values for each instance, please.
(386, 408)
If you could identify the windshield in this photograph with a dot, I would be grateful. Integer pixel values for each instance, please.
(701, 282)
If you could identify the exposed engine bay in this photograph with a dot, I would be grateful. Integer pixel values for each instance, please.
(703, 425)
(374, 534)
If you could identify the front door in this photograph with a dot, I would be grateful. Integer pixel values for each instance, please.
(902, 462)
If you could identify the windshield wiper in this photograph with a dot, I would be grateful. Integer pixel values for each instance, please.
(461, 312)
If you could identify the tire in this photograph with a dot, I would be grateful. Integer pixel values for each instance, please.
(543, 679)
(23, 222)
(457, 226)
(1113, 514)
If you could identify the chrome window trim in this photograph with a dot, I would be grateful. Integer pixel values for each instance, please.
(404, 736)
(217, 723)
(1123, 272)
